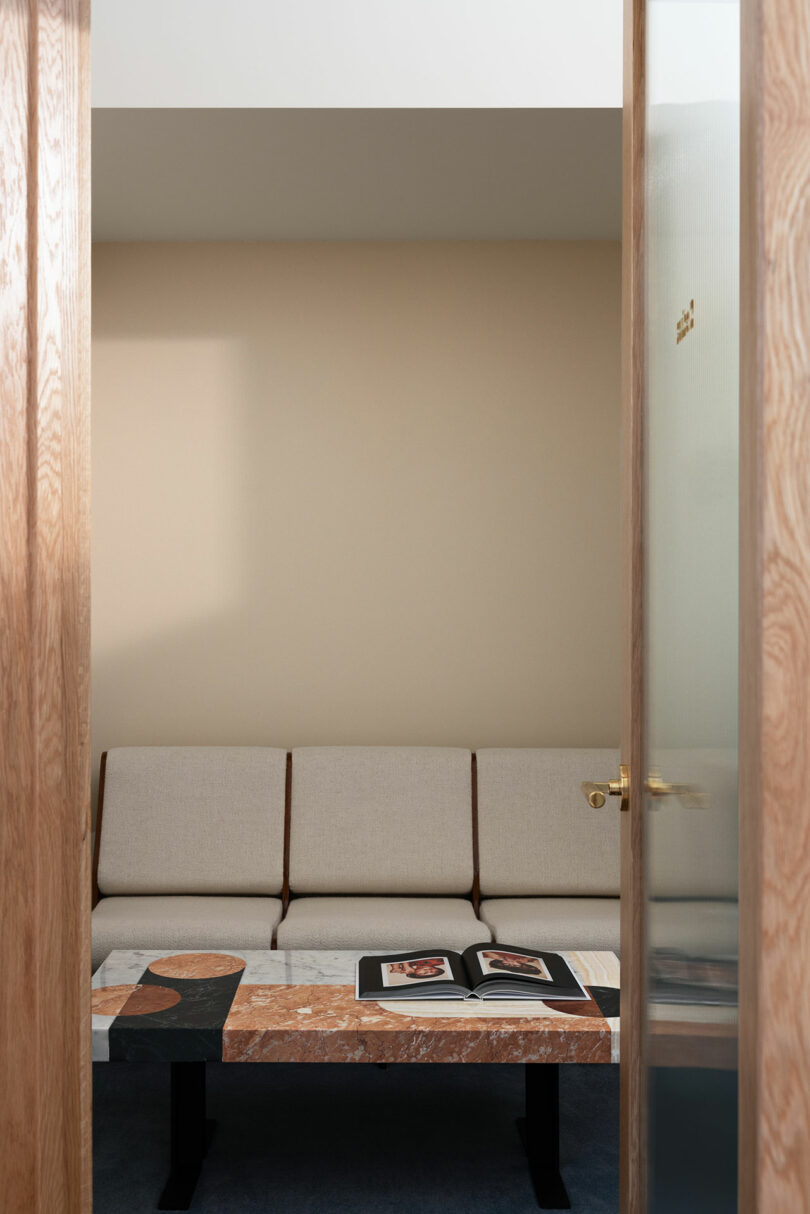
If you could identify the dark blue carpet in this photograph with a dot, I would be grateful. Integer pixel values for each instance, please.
(337, 1139)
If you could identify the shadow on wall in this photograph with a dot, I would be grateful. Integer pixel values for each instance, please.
(356, 493)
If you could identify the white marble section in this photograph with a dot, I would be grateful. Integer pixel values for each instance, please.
(310, 968)
(100, 1048)
(276, 967)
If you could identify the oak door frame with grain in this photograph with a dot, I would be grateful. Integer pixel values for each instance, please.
(774, 1059)
(45, 607)
(633, 1069)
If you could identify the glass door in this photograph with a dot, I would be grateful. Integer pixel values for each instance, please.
(691, 248)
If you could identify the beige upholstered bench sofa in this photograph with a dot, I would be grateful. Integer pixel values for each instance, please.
(352, 847)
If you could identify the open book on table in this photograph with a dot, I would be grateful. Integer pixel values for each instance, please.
(483, 971)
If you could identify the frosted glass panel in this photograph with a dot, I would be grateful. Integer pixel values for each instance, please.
(692, 322)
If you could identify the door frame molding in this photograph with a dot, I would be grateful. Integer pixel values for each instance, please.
(774, 1055)
(633, 1069)
(45, 1074)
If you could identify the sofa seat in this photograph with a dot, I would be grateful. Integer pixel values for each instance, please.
(380, 923)
(703, 927)
(183, 922)
(554, 923)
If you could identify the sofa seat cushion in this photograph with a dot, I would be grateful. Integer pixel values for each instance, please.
(204, 923)
(703, 927)
(554, 923)
(386, 923)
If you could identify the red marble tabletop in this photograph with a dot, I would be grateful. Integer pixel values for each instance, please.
(300, 1006)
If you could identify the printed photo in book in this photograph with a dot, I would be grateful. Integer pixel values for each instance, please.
(483, 971)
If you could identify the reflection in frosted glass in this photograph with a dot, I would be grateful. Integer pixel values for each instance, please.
(692, 252)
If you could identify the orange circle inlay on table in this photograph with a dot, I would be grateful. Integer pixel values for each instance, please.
(132, 999)
(197, 965)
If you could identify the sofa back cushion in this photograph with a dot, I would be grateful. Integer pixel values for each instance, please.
(537, 833)
(381, 820)
(692, 849)
(193, 820)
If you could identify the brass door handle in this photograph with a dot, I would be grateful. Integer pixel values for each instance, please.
(596, 793)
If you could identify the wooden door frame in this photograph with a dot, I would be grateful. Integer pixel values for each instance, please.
(774, 1058)
(44, 606)
(633, 1070)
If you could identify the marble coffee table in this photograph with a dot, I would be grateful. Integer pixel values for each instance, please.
(276, 1006)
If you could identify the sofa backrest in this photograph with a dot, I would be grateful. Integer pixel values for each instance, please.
(537, 833)
(381, 820)
(193, 820)
(692, 849)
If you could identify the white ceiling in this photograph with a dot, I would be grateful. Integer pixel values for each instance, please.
(356, 174)
(290, 54)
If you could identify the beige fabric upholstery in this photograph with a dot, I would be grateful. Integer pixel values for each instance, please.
(554, 923)
(693, 851)
(381, 820)
(537, 833)
(193, 820)
(183, 923)
(387, 923)
(701, 928)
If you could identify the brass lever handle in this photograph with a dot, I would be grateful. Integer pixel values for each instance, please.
(596, 793)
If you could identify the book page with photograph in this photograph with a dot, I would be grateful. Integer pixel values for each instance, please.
(429, 974)
(495, 961)
(420, 970)
(505, 971)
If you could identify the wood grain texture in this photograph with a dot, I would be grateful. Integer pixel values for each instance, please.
(633, 1175)
(44, 643)
(775, 596)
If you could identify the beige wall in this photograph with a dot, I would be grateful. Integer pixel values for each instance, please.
(356, 493)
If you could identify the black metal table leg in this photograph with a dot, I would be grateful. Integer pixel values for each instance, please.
(190, 1134)
(540, 1131)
